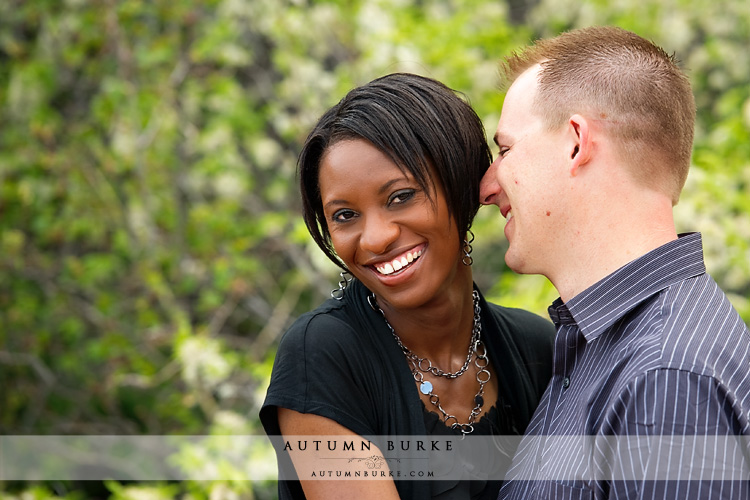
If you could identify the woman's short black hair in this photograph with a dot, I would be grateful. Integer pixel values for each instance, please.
(417, 122)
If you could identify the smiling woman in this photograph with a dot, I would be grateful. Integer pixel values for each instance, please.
(399, 240)
(390, 185)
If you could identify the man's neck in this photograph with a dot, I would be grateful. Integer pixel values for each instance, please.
(604, 247)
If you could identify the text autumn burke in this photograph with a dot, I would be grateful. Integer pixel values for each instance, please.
(364, 445)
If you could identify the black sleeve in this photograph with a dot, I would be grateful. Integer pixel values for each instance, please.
(323, 368)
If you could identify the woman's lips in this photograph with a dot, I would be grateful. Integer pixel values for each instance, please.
(400, 263)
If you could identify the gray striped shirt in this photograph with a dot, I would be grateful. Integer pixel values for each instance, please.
(655, 349)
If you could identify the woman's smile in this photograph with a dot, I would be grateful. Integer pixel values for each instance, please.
(400, 263)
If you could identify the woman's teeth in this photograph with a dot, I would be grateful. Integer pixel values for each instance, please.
(398, 263)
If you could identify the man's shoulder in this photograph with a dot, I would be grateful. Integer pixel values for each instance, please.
(697, 308)
(686, 341)
(698, 326)
(689, 326)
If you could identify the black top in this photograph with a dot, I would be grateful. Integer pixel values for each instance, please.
(340, 361)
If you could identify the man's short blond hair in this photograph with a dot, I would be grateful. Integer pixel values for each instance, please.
(633, 87)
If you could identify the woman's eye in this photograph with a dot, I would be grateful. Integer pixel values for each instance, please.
(401, 196)
(503, 151)
(343, 215)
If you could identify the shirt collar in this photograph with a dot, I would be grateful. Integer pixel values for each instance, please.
(602, 304)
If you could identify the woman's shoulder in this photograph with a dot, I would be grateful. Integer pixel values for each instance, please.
(334, 326)
(523, 325)
(329, 321)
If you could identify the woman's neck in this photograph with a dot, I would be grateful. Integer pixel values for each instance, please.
(441, 329)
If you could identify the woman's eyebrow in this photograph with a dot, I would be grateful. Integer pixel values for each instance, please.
(385, 187)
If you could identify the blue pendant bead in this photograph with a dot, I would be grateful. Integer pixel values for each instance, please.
(420, 366)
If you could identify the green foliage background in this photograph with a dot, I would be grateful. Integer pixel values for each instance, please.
(151, 248)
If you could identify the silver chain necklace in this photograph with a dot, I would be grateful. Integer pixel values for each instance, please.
(419, 366)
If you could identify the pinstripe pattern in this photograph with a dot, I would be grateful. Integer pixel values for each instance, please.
(654, 349)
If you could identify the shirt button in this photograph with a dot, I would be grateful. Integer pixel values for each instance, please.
(566, 383)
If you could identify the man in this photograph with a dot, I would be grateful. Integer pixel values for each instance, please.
(652, 363)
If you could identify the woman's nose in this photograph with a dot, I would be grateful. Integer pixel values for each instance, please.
(379, 233)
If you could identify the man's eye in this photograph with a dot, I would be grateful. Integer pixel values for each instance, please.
(503, 151)
(401, 196)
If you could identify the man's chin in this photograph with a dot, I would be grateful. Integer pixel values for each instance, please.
(515, 264)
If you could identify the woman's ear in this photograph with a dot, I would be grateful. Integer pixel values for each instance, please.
(581, 146)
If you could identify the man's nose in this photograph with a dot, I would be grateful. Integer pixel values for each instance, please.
(489, 187)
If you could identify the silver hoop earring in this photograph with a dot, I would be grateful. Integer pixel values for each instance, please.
(467, 249)
(338, 293)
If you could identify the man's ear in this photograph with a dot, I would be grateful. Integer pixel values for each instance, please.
(581, 145)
